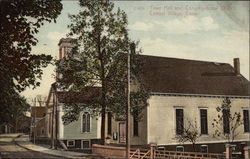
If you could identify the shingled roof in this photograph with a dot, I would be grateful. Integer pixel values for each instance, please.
(89, 95)
(172, 75)
(38, 112)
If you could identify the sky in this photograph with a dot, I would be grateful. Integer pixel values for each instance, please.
(197, 30)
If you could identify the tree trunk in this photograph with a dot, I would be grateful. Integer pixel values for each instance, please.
(102, 75)
(103, 125)
(103, 111)
(194, 147)
(16, 125)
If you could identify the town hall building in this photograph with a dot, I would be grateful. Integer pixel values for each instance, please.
(181, 91)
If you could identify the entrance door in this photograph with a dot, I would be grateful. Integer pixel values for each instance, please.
(122, 132)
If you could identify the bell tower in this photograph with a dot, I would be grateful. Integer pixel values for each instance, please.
(65, 45)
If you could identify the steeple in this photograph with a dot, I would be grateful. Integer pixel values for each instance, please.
(65, 45)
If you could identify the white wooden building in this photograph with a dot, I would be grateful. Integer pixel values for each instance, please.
(180, 90)
(187, 90)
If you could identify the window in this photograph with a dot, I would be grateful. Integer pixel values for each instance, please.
(85, 144)
(135, 124)
(180, 148)
(42, 131)
(86, 122)
(63, 52)
(115, 135)
(109, 123)
(204, 148)
(179, 121)
(203, 117)
(70, 143)
(246, 120)
(226, 126)
(233, 148)
(50, 123)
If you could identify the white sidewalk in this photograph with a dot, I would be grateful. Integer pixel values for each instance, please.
(24, 142)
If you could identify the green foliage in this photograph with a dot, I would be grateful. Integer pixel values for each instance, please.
(20, 21)
(100, 59)
(235, 121)
(17, 107)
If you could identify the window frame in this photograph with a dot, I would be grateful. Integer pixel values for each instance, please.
(88, 142)
(201, 119)
(182, 147)
(176, 121)
(226, 126)
(246, 129)
(204, 146)
(68, 145)
(135, 126)
(42, 131)
(88, 131)
(109, 131)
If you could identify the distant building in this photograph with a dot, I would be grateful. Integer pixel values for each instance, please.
(38, 125)
(6, 128)
(22, 125)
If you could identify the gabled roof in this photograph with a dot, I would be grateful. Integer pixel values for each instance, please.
(89, 95)
(172, 75)
(38, 112)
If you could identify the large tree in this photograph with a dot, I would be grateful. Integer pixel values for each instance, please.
(19, 23)
(100, 59)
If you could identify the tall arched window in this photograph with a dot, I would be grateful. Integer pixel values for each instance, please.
(86, 122)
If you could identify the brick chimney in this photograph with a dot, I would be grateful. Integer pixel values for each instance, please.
(237, 66)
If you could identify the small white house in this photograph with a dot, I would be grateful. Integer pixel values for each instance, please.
(80, 134)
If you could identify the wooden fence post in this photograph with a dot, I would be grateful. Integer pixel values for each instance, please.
(228, 151)
(139, 153)
(152, 151)
(246, 152)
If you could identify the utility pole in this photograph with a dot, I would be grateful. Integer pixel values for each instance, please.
(132, 49)
(52, 124)
(31, 123)
(56, 116)
(34, 135)
(54, 119)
